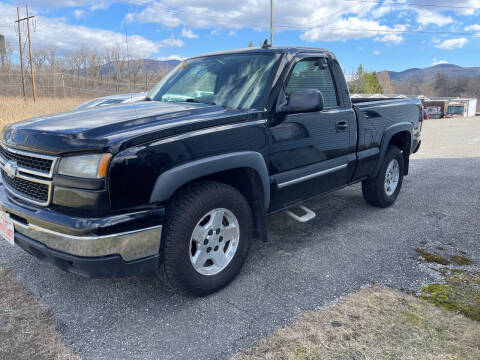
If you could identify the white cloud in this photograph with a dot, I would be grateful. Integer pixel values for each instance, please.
(451, 44)
(377, 52)
(314, 17)
(92, 4)
(320, 20)
(78, 13)
(154, 13)
(58, 4)
(438, 62)
(189, 34)
(428, 17)
(100, 5)
(354, 28)
(56, 32)
(171, 57)
(390, 38)
(171, 42)
(382, 10)
(475, 27)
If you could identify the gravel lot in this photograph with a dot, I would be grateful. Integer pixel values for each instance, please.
(348, 245)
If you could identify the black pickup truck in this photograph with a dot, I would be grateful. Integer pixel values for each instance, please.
(181, 182)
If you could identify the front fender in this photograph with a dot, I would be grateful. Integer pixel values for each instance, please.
(171, 180)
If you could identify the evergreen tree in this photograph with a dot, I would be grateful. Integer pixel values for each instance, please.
(364, 82)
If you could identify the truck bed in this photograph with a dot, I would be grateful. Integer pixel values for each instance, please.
(376, 116)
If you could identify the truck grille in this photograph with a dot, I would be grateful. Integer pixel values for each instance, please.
(28, 162)
(27, 175)
(38, 192)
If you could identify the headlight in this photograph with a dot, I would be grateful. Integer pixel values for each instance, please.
(85, 166)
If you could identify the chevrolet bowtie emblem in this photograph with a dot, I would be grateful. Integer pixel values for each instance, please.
(10, 168)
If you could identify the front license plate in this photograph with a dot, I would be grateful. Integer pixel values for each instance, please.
(7, 230)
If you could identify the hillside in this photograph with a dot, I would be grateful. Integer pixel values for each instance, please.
(429, 73)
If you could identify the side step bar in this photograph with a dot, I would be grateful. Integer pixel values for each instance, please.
(309, 214)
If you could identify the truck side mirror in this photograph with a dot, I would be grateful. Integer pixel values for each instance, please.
(300, 101)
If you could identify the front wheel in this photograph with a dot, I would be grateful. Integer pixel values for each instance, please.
(382, 191)
(206, 238)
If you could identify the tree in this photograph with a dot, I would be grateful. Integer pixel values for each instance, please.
(364, 82)
(39, 58)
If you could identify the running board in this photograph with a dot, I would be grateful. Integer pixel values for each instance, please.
(309, 214)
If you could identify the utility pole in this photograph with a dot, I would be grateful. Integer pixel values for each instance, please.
(21, 53)
(271, 22)
(18, 21)
(3, 50)
(34, 90)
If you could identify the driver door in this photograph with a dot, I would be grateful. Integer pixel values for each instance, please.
(311, 152)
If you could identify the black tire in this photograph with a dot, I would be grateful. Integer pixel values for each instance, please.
(184, 211)
(373, 189)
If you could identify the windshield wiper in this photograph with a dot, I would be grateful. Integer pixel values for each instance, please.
(193, 100)
(148, 98)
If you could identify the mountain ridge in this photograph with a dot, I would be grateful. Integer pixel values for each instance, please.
(429, 73)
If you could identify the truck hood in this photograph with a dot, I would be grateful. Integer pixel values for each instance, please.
(99, 129)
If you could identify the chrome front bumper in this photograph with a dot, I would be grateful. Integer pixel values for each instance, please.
(131, 245)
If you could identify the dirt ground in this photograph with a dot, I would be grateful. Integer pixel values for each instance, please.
(450, 138)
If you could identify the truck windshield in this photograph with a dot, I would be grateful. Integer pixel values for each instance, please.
(236, 81)
(456, 110)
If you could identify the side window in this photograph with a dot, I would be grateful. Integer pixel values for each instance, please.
(314, 74)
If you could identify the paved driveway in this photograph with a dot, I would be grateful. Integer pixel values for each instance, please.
(348, 245)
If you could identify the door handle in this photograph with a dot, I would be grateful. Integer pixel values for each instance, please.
(341, 125)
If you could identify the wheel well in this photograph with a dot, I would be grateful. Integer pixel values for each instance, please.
(248, 183)
(403, 141)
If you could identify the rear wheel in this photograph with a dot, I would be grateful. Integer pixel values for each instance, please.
(383, 190)
(206, 238)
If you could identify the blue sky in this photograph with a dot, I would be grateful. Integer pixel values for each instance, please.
(392, 34)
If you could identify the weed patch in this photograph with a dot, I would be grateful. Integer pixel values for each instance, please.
(461, 260)
(460, 293)
(431, 257)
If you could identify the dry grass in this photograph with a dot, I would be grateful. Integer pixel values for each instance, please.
(15, 108)
(27, 329)
(374, 323)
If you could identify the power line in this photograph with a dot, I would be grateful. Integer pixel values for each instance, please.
(305, 26)
(242, 22)
(401, 31)
(419, 4)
